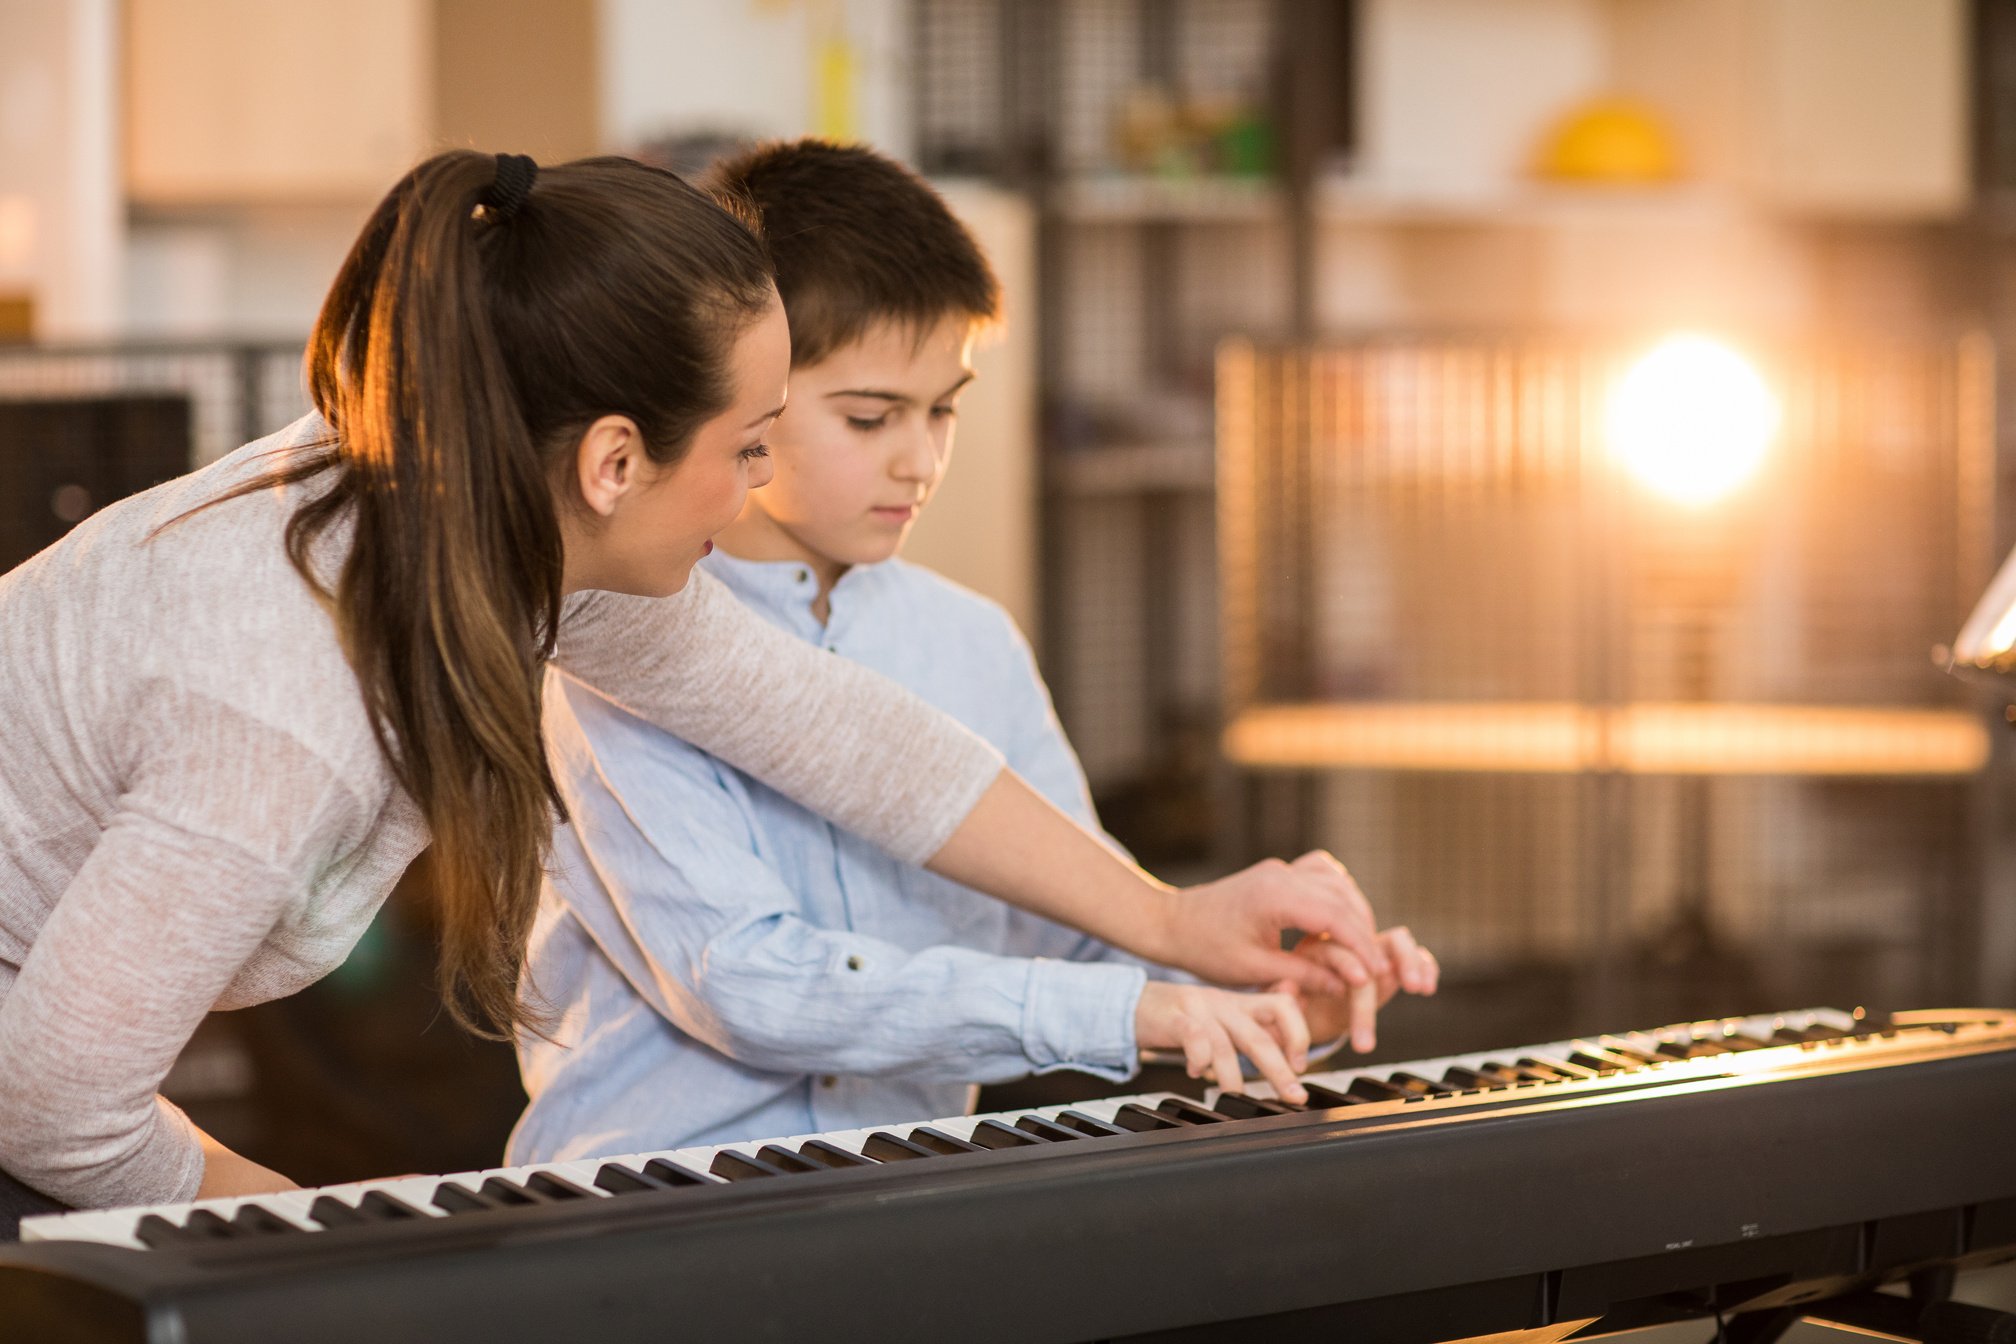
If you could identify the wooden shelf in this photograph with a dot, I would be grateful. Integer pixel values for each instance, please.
(1645, 739)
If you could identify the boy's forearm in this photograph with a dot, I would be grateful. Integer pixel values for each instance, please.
(1016, 845)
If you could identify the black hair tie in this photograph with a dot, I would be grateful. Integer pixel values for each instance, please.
(507, 192)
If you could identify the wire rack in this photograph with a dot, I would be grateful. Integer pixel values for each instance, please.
(1550, 717)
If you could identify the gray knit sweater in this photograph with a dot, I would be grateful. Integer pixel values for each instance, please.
(194, 813)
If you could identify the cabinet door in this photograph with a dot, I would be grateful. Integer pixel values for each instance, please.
(252, 100)
(1864, 105)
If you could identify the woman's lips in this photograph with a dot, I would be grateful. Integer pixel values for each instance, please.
(707, 546)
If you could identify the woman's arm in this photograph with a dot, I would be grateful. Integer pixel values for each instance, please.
(871, 756)
(1016, 846)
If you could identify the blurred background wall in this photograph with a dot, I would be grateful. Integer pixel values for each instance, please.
(1294, 457)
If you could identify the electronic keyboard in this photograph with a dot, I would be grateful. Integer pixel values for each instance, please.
(1743, 1165)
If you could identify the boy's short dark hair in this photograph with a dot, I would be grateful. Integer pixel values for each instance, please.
(857, 239)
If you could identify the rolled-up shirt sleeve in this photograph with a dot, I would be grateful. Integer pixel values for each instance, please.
(676, 890)
(839, 739)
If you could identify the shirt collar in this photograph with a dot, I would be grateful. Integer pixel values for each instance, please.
(783, 589)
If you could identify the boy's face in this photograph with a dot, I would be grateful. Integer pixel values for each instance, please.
(862, 446)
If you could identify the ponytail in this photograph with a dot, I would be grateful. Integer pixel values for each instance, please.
(458, 358)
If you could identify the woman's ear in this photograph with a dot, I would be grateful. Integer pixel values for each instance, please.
(609, 462)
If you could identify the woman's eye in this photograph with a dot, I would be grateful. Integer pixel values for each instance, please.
(865, 425)
(944, 412)
(755, 451)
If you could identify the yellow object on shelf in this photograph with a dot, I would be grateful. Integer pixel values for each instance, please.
(1610, 140)
(1650, 739)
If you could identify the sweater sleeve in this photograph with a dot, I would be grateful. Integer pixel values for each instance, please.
(841, 740)
(216, 839)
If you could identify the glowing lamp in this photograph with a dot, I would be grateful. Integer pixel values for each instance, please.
(1692, 420)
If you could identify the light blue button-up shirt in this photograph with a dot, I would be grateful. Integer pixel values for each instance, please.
(725, 965)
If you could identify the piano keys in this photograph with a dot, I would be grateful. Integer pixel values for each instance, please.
(1486, 1190)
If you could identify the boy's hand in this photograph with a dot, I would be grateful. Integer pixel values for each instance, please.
(1213, 1027)
(1413, 968)
(1229, 931)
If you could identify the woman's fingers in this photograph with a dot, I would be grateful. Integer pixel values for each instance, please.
(1364, 1013)
(1327, 867)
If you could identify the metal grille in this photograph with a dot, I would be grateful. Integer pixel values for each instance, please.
(236, 392)
(1550, 717)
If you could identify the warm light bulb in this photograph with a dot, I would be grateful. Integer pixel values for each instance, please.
(1692, 420)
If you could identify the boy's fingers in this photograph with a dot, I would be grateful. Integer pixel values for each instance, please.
(1284, 1016)
(1434, 971)
(1266, 1055)
(1225, 1060)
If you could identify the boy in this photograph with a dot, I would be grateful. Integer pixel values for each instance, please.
(725, 965)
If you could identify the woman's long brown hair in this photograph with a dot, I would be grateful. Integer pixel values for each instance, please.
(458, 358)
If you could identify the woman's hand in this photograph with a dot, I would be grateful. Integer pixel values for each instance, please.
(1213, 1027)
(1229, 931)
(227, 1174)
(1414, 969)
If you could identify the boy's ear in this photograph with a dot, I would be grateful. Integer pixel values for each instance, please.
(608, 463)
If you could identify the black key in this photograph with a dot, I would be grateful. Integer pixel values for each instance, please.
(886, 1147)
(1733, 1039)
(938, 1141)
(1473, 1079)
(508, 1193)
(1802, 1035)
(375, 1207)
(1598, 1062)
(785, 1160)
(258, 1222)
(155, 1232)
(618, 1179)
(1322, 1098)
(1048, 1130)
(1631, 1052)
(1514, 1074)
(994, 1134)
(1087, 1124)
(831, 1154)
(460, 1199)
(1375, 1089)
(673, 1173)
(546, 1185)
(1242, 1107)
(1195, 1112)
(1139, 1118)
(1417, 1086)
(380, 1207)
(207, 1225)
(1691, 1047)
(333, 1212)
(1560, 1069)
(730, 1165)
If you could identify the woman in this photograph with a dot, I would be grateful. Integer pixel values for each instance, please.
(242, 702)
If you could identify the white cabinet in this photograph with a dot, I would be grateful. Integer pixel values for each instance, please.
(249, 102)
(1828, 107)
(272, 100)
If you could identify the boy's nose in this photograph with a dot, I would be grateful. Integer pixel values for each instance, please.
(918, 461)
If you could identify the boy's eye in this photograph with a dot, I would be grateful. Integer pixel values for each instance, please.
(755, 451)
(944, 412)
(867, 424)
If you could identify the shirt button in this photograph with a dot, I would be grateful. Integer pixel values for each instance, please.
(853, 963)
(804, 576)
(829, 1081)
